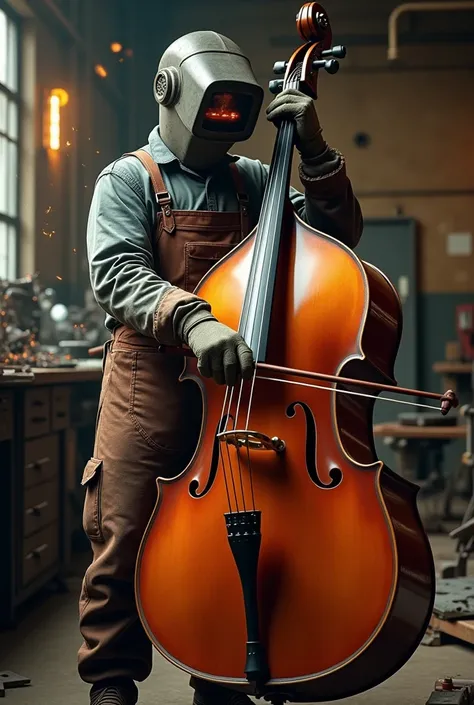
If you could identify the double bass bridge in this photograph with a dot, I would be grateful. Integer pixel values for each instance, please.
(253, 440)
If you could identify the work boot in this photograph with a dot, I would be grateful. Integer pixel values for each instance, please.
(206, 693)
(122, 692)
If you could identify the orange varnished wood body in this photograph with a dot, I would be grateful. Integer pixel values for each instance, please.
(346, 574)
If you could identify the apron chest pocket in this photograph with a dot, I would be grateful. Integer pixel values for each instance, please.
(199, 257)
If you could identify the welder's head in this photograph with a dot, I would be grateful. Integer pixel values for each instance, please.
(209, 98)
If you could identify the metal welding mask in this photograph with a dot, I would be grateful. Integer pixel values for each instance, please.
(209, 98)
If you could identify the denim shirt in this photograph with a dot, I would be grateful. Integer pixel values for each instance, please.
(123, 213)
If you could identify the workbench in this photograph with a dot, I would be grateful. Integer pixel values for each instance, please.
(47, 425)
(409, 441)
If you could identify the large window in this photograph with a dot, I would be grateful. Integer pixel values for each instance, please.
(9, 152)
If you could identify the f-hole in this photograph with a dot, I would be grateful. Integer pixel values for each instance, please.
(311, 448)
(194, 484)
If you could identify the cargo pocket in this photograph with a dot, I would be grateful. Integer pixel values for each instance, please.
(199, 258)
(92, 481)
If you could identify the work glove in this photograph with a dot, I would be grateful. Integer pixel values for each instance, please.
(291, 104)
(221, 352)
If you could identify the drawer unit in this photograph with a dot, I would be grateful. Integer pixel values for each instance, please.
(41, 506)
(60, 400)
(40, 552)
(41, 460)
(37, 408)
(6, 415)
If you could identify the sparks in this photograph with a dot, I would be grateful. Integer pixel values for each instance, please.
(49, 209)
(58, 277)
(74, 250)
(68, 144)
(100, 70)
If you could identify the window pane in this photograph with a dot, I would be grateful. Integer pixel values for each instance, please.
(3, 251)
(12, 178)
(11, 252)
(12, 57)
(3, 47)
(3, 112)
(12, 120)
(3, 174)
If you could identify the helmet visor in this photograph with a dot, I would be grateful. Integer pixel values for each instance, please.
(227, 112)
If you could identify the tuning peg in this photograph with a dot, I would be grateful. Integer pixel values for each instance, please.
(279, 68)
(330, 65)
(275, 86)
(339, 52)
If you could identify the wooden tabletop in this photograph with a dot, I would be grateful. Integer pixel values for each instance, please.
(452, 368)
(400, 431)
(57, 375)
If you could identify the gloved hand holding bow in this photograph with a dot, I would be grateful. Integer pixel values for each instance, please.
(291, 104)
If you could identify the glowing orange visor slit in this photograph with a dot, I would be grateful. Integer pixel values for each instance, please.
(223, 109)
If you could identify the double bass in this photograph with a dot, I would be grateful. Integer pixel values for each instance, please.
(286, 560)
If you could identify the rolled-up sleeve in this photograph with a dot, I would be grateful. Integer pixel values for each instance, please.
(121, 261)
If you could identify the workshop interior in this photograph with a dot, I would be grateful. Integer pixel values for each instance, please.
(395, 96)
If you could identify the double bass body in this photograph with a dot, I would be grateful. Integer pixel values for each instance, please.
(345, 573)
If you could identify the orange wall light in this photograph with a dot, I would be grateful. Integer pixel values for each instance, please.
(56, 99)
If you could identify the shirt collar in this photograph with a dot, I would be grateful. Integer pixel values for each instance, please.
(163, 155)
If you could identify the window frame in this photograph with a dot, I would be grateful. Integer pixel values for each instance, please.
(15, 97)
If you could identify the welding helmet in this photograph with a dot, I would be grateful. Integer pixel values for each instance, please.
(208, 98)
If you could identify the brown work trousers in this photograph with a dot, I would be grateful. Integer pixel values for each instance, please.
(148, 426)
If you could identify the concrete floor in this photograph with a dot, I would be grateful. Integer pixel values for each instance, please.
(44, 645)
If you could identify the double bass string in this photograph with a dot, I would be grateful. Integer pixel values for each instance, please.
(348, 391)
(281, 144)
(286, 135)
(232, 477)
(225, 477)
(221, 455)
(251, 481)
(277, 173)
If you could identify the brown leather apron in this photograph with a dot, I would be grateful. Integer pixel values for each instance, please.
(148, 425)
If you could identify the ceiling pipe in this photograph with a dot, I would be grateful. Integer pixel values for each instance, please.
(444, 6)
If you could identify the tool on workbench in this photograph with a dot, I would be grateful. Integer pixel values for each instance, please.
(8, 680)
(452, 691)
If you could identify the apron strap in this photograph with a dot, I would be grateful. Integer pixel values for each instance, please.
(162, 196)
(242, 198)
